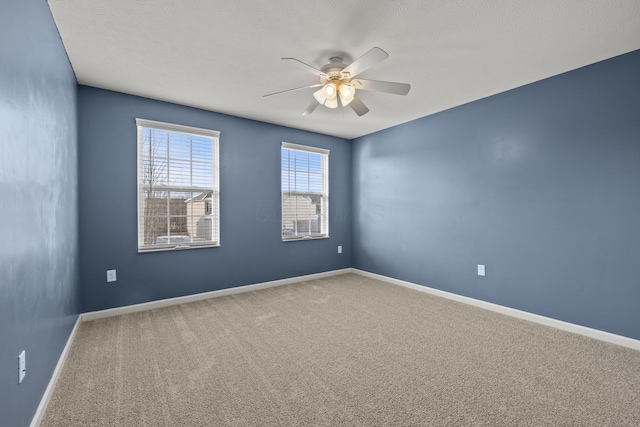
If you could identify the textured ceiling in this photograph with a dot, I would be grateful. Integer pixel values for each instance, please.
(223, 55)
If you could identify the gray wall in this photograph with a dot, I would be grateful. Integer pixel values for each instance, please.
(38, 204)
(541, 184)
(251, 249)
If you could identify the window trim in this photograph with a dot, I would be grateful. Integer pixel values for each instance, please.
(177, 128)
(306, 149)
(215, 143)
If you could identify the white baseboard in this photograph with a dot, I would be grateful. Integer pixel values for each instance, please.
(548, 321)
(42, 407)
(37, 418)
(101, 314)
(559, 324)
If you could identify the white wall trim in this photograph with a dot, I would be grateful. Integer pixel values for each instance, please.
(42, 407)
(101, 314)
(536, 318)
(84, 317)
(559, 324)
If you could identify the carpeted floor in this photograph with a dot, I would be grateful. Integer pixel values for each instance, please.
(345, 350)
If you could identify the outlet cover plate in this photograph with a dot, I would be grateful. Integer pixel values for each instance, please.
(22, 366)
(111, 275)
(481, 271)
(339, 249)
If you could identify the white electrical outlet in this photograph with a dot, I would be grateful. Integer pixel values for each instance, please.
(339, 249)
(22, 366)
(480, 270)
(111, 275)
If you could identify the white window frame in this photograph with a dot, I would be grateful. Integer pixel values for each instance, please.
(215, 190)
(324, 215)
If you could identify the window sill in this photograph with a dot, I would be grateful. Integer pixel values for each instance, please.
(176, 248)
(299, 239)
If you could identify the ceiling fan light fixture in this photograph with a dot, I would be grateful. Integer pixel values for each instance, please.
(330, 90)
(327, 95)
(331, 103)
(338, 87)
(320, 96)
(347, 93)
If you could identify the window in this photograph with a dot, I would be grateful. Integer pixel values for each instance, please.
(305, 192)
(177, 187)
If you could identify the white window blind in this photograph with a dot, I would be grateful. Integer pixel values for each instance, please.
(305, 191)
(178, 197)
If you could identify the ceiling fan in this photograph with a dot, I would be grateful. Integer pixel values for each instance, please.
(339, 82)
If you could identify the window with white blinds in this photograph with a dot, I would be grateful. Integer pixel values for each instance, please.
(305, 192)
(178, 200)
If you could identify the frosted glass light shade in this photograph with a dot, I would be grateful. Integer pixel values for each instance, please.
(328, 94)
(331, 103)
(330, 90)
(347, 93)
(320, 96)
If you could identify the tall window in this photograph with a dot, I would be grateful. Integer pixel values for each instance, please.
(305, 192)
(177, 187)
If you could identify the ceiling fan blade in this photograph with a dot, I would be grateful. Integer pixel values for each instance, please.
(378, 86)
(366, 61)
(310, 109)
(358, 106)
(291, 90)
(304, 66)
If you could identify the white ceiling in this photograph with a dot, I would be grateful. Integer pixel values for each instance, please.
(223, 55)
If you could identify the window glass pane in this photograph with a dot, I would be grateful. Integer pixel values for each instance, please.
(204, 228)
(154, 213)
(304, 204)
(315, 183)
(301, 161)
(202, 175)
(176, 176)
(157, 143)
(155, 228)
(154, 171)
(178, 226)
(179, 173)
(180, 149)
(178, 203)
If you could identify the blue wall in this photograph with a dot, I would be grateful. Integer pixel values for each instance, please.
(38, 204)
(541, 184)
(251, 248)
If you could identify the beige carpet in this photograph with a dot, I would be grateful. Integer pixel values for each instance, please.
(346, 350)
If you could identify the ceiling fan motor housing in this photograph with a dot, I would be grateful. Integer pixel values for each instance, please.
(333, 71)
